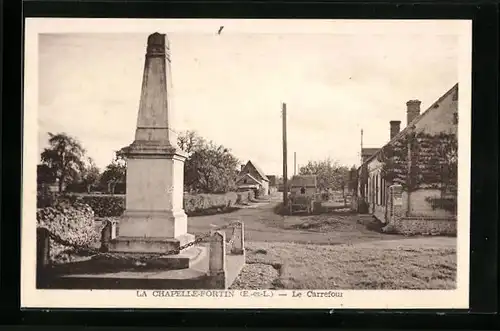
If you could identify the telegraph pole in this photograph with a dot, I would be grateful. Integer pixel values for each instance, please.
(294, 163)
(361, 151)
(285, 172)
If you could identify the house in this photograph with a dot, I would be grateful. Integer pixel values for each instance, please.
(304, 184)
(251, 177)
(414, 158)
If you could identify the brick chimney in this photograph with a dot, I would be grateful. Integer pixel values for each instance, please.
(412, 110)
(395, 128)
(241, 167)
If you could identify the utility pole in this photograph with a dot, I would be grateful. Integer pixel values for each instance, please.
(294, 163)
(361, 150)
(285, 172)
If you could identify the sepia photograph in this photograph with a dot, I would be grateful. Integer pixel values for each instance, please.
(246, 163)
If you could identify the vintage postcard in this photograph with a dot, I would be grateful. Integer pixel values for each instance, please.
(246, 164)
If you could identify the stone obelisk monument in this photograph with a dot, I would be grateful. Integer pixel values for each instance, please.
(154, 220)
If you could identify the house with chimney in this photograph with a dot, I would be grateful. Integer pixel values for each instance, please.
(420, 159)
(251, 177)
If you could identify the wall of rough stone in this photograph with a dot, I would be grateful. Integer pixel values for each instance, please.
(426, 226)
(399, 222)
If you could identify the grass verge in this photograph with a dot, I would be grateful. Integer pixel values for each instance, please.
(302, 266)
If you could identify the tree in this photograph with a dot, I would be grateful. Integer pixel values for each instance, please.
(65, 156)
(330, 175)
(211, 168)
(90, 175)
(190, 141)
(114, 173)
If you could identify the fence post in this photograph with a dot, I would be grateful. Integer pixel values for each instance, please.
(42, 254)
(217, 260)
(108, 233)
(238, 247)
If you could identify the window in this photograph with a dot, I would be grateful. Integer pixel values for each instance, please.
(245, 181)
(302, 190)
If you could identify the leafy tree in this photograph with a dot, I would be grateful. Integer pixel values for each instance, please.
(65, 156)
(114, 173)
(90, 175)
(190, 141)
(330, 175)
(211, 169)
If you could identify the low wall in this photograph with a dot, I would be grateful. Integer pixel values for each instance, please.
(425, 226)
(398, 222)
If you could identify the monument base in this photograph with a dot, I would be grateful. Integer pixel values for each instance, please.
(153, 223)
(145, 245)
(184, 260)
(108, 275)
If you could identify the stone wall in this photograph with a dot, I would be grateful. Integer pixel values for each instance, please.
(399, 222)
(426, 226)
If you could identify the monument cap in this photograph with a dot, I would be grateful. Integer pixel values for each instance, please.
(158, 44)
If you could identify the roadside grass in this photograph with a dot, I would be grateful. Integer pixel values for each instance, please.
(391, 266)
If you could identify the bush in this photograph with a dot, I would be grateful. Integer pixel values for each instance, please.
(72, 221)
(105, 205)
(446, 203)
(194, 203)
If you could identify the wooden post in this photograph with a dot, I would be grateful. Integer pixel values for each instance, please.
(42, 256)
(285, 159)
(43, 248)
(217, 260)
(238, 239)
(108, 233)
(294, 163)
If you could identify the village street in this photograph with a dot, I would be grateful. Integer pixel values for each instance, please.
(332, 250)
(262, 224)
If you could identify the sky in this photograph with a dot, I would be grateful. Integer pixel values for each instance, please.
(230, 88)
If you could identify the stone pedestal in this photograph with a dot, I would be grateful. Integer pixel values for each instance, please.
(154, 220)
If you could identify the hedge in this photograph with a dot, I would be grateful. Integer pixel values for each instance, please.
(196, 203)
(72, 221)
(105, 205)
(114, 205)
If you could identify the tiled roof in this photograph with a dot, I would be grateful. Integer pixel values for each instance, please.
(248, 175)
(259, 171)
(303, 180)
(415, 120)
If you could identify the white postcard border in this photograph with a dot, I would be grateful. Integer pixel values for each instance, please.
(352, 299)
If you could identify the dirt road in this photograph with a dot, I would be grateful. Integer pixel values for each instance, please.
(262, 224)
